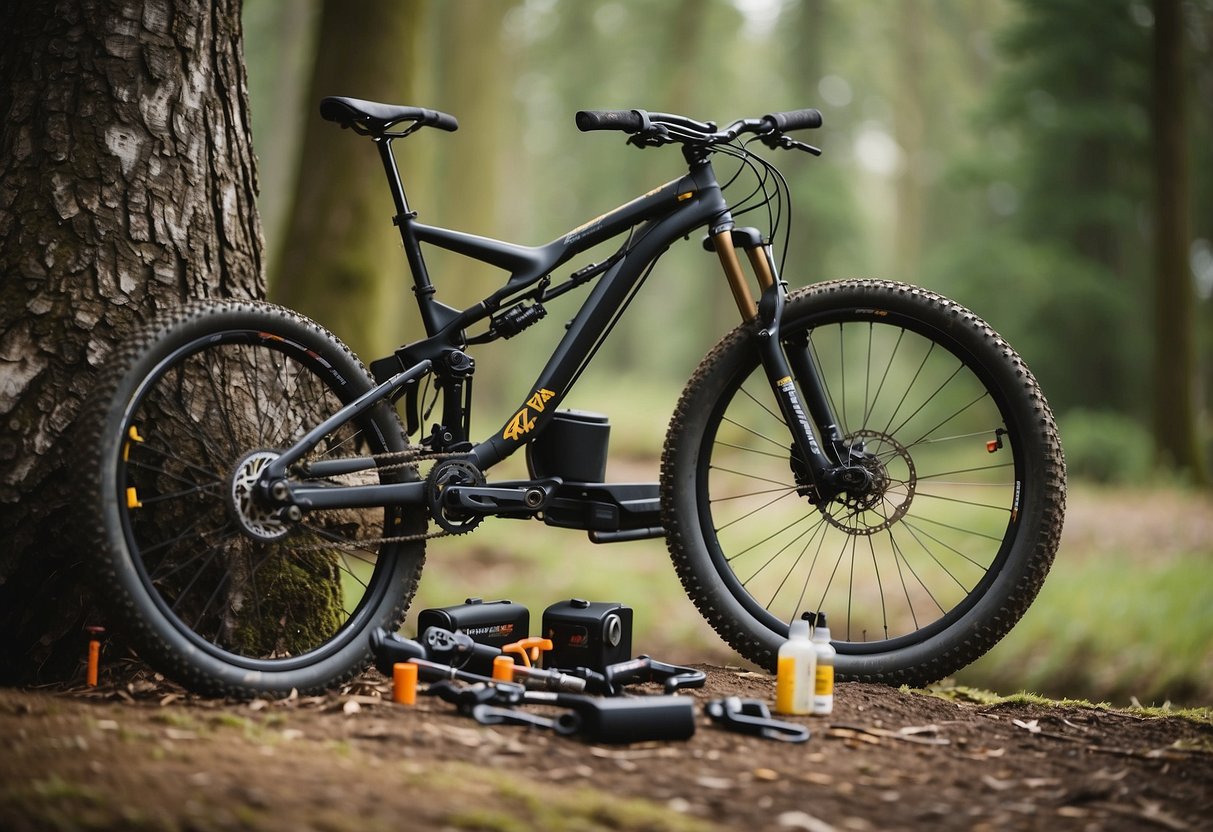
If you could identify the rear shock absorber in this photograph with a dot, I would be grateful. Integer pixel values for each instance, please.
(517, 318)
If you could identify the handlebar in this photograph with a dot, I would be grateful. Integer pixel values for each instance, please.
(666, 127)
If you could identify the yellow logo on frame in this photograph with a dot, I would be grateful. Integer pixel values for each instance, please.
(523, 421)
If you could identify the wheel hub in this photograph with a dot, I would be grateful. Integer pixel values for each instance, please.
(255, 519)
(877, 490)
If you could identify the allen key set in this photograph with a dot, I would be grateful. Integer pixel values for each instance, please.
(479, 657)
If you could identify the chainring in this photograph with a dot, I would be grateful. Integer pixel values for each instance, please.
(445, 474)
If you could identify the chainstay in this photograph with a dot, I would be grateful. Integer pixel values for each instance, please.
(390, 461)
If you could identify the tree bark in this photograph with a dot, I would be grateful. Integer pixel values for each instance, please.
(127, 184)
(1175, 427)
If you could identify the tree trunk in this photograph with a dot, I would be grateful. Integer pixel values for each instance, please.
(127, 184)
(341, 261)
(1175, 431)
(910, 108)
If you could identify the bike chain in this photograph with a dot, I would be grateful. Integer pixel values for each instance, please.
(411, 458)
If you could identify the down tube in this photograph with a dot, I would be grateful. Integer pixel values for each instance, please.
(588, 327)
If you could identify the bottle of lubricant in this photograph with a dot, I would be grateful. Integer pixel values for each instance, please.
(796, 671)
(823, 693)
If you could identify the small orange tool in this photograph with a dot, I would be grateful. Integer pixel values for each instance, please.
(404, 683)
(529, 649)
(503, 668)
(94, 653)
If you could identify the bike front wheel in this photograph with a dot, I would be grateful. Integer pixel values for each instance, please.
(214, 589)
(929, 568)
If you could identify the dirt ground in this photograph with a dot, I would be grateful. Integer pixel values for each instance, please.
(148, 756)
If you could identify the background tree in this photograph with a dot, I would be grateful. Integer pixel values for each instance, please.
(339, 260)
(1174, 391)
(127, 184)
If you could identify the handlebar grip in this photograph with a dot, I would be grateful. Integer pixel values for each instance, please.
(627, 121)
(794, 120)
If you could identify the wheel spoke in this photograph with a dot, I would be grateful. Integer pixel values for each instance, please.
(918, 418)
(237, 579)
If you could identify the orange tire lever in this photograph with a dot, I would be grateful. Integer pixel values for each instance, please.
(529, 649)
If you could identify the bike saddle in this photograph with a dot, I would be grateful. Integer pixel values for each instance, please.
(374, 118)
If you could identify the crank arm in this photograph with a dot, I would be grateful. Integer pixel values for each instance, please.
(505, 498)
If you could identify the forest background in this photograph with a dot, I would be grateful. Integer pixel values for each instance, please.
(1002, 153)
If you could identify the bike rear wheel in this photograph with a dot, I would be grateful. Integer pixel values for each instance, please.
(213, 589)
(937, 562)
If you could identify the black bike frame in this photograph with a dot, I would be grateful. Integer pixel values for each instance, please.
(665, 214)
(656, 220)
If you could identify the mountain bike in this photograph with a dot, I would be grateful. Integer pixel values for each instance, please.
(260, 501)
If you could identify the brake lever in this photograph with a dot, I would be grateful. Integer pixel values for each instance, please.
(782, 142)
(651, 135)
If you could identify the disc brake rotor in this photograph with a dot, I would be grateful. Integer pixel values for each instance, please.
(890, 491)
(255, 520)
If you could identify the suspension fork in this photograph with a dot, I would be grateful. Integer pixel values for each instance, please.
(784, 369)
(820, 467)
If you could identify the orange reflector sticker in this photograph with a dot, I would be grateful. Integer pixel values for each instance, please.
(132, 499)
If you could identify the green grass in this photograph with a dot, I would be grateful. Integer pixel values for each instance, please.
(515, 805)
(1118, 627)
(980, 696)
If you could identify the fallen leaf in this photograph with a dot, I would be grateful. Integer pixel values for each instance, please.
(911, 730)
(996, 784)
(853, 734)
(1032, 726)
(766, 774)
(678, 804)
(803, 820)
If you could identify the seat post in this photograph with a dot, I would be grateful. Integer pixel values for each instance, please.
(403, 220)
